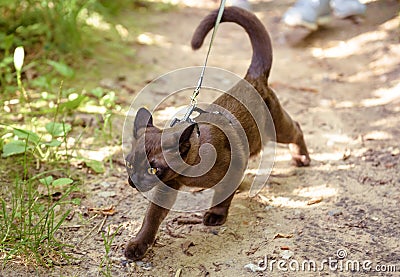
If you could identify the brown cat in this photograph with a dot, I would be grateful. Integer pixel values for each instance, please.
(147, 165)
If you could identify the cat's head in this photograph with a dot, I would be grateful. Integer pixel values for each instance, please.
(151, 149)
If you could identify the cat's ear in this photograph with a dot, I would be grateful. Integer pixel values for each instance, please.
(184, 140)
(143, 119)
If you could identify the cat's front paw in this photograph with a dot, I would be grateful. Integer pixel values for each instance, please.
(212, 218)
(135, 250)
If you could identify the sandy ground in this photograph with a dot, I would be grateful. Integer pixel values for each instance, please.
(342, 85)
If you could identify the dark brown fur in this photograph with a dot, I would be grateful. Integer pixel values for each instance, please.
(287, 131)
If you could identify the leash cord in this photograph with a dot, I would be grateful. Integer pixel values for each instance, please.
(193, 101)
(200, 82)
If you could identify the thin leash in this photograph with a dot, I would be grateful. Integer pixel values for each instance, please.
(193, 99)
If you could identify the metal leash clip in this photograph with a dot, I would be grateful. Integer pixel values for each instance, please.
(191, 108)
(186, 117)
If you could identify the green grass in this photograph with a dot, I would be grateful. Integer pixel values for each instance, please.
(57, 34)
(40, 132)
(106, 262)
(29, 222)
(30, 217)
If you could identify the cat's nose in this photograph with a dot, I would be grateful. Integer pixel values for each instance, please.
(132, 180)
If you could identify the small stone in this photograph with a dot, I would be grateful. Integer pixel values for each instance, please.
(230, 263)
(287, 254)
(106, 194)
(144, 265)
(299, 214)
(395, 152)
(390, 165)
(147, 266)
(334, 212)
(105, 184)
(214, 232)
(124, 263)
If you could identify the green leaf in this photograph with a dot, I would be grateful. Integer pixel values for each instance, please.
(41, 82)
(5, 62)
(62, 181)
(53, 143)
(14, 147)
(25, 134)
(98, 92)
(58, 129)
(62, 68)
(47, 180)
(76, 201)
(97, 166)
(72, 104)
(6, 42)
(108, 100)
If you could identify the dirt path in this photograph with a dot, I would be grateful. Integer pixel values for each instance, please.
(343, 85)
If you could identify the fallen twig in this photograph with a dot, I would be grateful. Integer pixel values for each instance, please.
(283, 236)
(171, 233)
(178, 272)
(182, 221)
(315, 201)
(71, 227)
(102, 224)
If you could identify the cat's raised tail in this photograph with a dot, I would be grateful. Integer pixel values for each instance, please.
(261, 61)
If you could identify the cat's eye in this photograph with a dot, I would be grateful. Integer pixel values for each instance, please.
(152, 170)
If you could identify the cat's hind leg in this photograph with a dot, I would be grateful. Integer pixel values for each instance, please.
(289, 132)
